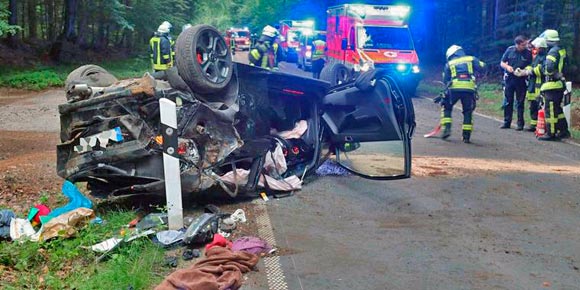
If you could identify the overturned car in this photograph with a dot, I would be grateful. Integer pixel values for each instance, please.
(238, 126)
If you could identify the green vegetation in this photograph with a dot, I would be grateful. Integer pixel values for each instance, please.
(491, 99)
(65, 263)
(42, 77)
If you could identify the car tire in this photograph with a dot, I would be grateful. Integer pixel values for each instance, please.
(203, 59)
(335, 74)
(91, 75)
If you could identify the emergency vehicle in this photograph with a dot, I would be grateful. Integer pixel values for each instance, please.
(360, 37)
(241, 37)
(291, 31)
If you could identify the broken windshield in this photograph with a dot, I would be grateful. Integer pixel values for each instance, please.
(381, 37)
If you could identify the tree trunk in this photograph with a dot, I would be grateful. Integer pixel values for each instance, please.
(13, 39)
(82, 40)
(50, 19)
(32, 20)
(70, 15)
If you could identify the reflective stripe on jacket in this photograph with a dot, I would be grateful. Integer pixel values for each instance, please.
(535, 78)
(161, 52)
(553, 69)
(459, 73)
(319, 47)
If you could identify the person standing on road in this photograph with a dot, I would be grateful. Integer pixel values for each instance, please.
(318, 58)
(534, 73)
(161, 47)
(553, 88)
(459, 77)
(515, 57)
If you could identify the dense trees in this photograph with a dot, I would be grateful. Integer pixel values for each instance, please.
(483, 27)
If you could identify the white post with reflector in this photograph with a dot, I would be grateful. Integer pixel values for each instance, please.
(171, 171)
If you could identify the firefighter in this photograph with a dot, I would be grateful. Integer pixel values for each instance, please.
(267, 52)
(318, 58)
(459, 77)
(534, 74)
(162, 48)
(553, 88)
(515, 56)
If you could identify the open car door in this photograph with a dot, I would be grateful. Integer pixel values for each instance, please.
(370, 125)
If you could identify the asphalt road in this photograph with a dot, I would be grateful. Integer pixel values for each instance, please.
(501, 213)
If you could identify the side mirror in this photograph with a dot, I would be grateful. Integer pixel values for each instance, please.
(344, 44)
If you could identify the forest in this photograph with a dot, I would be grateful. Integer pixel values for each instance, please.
(56, 31)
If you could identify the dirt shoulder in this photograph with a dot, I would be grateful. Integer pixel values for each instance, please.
(29, 126)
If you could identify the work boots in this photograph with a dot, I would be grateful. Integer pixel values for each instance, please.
(446, 131)
(466, 136)
(563, 134)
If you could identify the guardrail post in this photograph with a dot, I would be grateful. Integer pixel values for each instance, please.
(171, 171)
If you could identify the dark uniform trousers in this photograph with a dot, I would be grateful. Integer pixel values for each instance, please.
(514, 86)
(468, 104)
(555, 119)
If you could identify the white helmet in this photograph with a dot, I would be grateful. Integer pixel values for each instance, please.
(539, 42)
(164, 27)
(186, 26)
(452, 50)
(269, 31)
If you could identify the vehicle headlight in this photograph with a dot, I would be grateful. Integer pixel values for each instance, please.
(308, 53)
(415, 69)
(401, 67)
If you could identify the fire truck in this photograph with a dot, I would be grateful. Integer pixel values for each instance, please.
(241, 37)
(361, 37)
(291, 31)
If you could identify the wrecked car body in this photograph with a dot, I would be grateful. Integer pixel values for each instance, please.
(239, 126)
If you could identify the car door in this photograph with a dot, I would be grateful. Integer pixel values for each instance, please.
(370, 124)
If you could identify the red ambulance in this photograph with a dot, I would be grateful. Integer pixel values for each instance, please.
(360, 37)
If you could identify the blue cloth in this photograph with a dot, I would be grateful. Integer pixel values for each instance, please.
(331, 168)
(76, 200)
(6, 216)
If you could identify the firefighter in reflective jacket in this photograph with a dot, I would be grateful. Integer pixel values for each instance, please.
(459, 76)
(318, 57)
(267, 52)
(162, 48)
(553, 88)
(535, 79)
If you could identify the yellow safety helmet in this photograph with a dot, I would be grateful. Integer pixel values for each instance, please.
(551, 35)
(452, 50)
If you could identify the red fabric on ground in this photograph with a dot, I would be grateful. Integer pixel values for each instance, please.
(221, 269)
(218, 240)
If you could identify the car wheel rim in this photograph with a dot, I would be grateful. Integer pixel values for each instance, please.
(212, 55)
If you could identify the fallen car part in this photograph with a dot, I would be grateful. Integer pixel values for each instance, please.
(202, 229)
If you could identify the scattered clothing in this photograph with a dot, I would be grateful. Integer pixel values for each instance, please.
(251, 245)
(330, 167)
(221, 269)
(169, 238)
(220, 241)
(6, 217)
(65, 225)
(241, 177)
(76, 200)
(20, 228)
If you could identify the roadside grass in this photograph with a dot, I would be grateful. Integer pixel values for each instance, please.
(42, 77)
(64, 263)
(491, 99)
